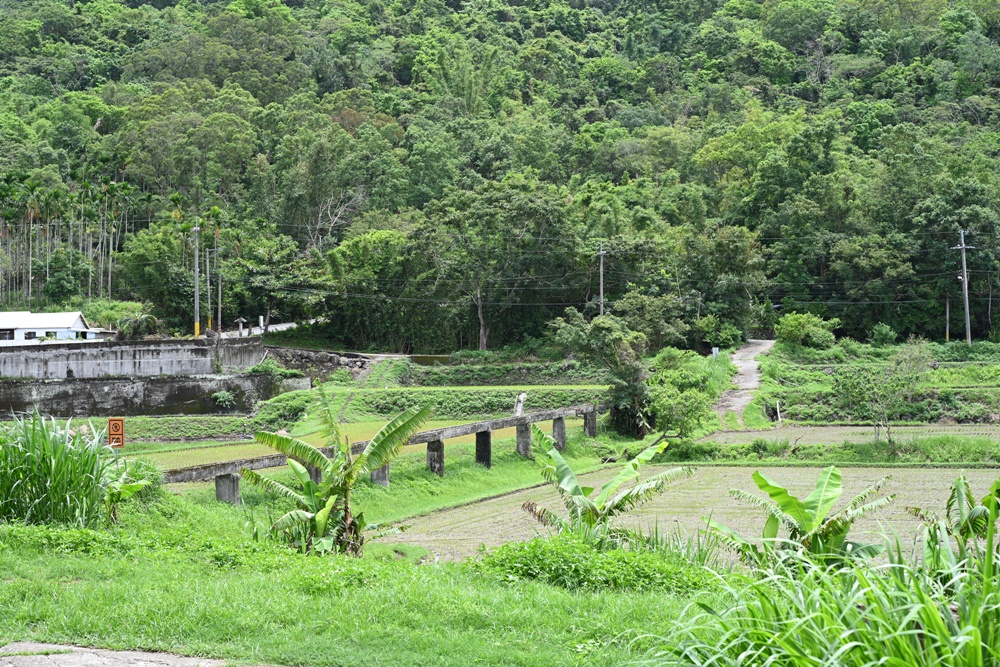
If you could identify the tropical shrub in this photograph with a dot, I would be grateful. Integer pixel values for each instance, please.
(572, 562)
(324, 519)
(137, 324)
(589, 515)
(812, 531)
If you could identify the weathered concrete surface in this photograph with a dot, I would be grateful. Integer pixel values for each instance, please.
(123, 397)
(110, 358)
(30, 654)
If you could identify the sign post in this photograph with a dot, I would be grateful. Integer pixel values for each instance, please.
(116, 432)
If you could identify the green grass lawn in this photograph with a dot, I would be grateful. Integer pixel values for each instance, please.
(183, 575)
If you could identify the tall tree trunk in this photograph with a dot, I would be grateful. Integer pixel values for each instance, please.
(484, 331)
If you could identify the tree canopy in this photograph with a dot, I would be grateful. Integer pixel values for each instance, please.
(430, 175)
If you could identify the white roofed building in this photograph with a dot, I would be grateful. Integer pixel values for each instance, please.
(23, 327)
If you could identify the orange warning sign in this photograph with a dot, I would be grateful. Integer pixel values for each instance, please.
(116, 432)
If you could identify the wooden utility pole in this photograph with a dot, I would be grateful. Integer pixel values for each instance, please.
(965, 286)
(197, 280)
(601, 256)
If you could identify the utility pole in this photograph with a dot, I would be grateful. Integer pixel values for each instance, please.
(208, 288)
(947, 317)
(601, 255)
(965, 286)
(218, 281)
(197, 288)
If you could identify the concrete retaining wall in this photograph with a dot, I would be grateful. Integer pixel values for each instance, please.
(53, 361)
(124, 397)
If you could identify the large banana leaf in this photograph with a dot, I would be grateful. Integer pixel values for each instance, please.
(819, 503)
(566, 480)
(323, 516)
(389, 440)
(642, 492)
(292, 519)
(628, 472)
(786, 502)
(296, 449)
(272, 486)
(329, 418)
(771, 508)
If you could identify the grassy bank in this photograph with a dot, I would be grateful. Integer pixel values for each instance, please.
(182, 575)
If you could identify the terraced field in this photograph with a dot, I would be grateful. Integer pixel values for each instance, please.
(461, 531)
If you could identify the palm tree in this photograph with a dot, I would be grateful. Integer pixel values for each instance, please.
(324, 519)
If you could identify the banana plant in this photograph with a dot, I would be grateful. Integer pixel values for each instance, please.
(811, 528)
(965, 525)
(324, 519)
(591, 514)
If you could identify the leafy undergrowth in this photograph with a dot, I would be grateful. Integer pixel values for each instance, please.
(575, 564)
(184, 576)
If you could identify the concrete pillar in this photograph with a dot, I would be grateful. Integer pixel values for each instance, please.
(227, 489)
(590, 424)
(524, 440)
(559, 433)
(484, 448)
(435, 457)
(380, 476)
(315, 474)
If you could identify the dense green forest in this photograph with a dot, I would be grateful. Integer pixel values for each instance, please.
(435, 174)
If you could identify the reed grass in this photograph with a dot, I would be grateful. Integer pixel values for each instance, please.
(52, 473)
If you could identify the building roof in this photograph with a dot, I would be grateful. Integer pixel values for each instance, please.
(27, 320)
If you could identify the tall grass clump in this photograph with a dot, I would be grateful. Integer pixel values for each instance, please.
(51, 473)
(938, 606)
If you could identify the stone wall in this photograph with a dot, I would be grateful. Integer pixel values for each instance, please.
(59, 361)
(124, 397)
(316, 363)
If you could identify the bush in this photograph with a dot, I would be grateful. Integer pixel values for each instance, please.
(271, 367)
(224, 399)
(282, 411)
(821, 339)
(882, 335)
(804, 328)
(572, 563)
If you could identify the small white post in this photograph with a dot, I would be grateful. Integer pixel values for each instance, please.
(777, 404)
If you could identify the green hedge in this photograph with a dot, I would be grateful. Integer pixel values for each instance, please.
(565, 372)
(463, 403)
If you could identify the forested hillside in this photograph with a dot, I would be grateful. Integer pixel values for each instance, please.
(432, 174)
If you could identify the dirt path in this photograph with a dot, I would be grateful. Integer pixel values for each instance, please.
(459, 532)
(747, 379)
